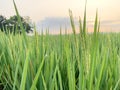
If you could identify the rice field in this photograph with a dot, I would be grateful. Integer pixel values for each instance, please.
(78, 61)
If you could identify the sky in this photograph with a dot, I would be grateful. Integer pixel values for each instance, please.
(45, 12)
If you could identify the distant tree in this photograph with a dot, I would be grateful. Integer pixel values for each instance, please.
(12, 25)
(2, 22)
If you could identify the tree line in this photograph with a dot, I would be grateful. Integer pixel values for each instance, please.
(12, 25)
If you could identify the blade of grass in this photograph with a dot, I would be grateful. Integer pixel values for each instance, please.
(84, 21)
(37, 75)
(101, 69)
(16, 73)
(117, 84)
(72, 22)
(60, 79)
(20, 22)
(44, 83)
(93, 54)
(24, 74)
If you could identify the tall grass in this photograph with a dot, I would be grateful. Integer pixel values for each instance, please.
(60, 62)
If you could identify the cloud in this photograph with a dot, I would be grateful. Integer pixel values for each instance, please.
(54, 24)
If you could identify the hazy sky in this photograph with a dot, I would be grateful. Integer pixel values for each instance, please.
(39, 9)
(108, 10)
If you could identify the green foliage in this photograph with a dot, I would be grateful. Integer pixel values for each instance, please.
(12, 25)
(2, 22)
(47, 64)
